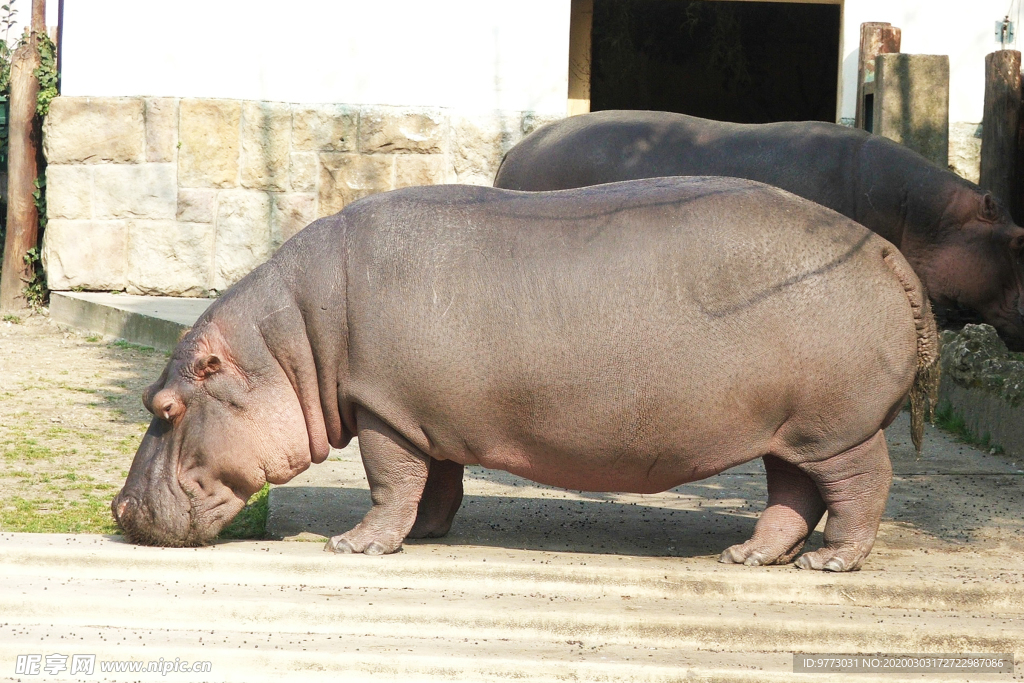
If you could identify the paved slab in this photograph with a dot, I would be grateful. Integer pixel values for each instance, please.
(288, 611)
(536, 583)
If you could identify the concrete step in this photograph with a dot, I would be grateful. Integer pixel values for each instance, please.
(263, 610)
(156, 321)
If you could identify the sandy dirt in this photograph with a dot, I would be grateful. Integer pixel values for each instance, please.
(70, 420)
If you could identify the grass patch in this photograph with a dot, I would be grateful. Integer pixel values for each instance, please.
(27, 449)
(81, 390)
(91, 515)
(40, 516)
(11, 318)
(93, 338)
(122, 344)
(251, 522)
(948, 419)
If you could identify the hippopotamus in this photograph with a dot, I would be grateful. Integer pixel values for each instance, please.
(627, 337)
(960, 240)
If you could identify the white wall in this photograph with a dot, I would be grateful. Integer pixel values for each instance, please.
(474, 55)
(962, 29)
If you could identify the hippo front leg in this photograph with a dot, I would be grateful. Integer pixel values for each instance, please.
(397, 473)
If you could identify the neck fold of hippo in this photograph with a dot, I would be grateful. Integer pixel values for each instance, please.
(310, 338)
(900, 196)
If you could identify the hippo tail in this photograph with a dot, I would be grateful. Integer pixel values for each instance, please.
(924, 394)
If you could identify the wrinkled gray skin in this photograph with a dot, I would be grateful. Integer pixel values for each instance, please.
(629, 337)
(960, 241)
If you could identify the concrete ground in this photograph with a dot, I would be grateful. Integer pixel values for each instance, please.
(539, 583)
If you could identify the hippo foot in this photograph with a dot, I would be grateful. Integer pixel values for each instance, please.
(346, 544)
(755, 554)
(739, 554)
(840, 559)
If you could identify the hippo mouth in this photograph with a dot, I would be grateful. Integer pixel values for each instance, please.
(1010, 327)
(955, 317)
(141, 524)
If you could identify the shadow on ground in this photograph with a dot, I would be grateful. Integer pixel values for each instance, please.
(954, 496)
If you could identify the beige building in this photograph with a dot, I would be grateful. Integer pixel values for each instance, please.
(192, 138)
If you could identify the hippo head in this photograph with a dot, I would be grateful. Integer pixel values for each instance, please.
(226, 419)
(974, 264)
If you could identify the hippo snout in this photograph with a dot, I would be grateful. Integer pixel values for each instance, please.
(146, 525)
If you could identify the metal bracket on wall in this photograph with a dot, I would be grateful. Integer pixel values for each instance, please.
(1004, 31)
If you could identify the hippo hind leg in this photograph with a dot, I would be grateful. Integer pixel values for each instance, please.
(441, 499)
(794, 508)
(397, 473)
(855, 486)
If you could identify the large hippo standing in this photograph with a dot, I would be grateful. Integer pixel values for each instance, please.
(960, 241)
(628, 337)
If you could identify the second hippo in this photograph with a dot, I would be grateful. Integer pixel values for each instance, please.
(959, 239)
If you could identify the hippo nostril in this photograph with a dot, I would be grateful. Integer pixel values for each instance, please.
(119, 506)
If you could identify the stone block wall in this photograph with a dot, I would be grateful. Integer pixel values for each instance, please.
(183, 197)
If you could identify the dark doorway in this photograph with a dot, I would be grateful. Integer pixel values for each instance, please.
(748, 62)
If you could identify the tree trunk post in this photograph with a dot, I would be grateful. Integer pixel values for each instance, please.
(1000, 124)
(22, 217)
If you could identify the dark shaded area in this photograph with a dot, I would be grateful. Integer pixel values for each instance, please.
(747, 62)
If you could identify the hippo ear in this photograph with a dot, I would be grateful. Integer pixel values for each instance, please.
(206, 366)
(989, 210)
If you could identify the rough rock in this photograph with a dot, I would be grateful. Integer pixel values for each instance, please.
(290, 213)
(303, 171)
(384, 130)
(197, 205)
(169, 258)
(412, 170)
(965, 150)
(266, 144)
(85, 254)
(324, 128)
(346, 177)
(68, 192)
(210, 141)
(479, 146)
(161, 129)
(243, 235)
(977, 358)
(94, 130)
(134, 191)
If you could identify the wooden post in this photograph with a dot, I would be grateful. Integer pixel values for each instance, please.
(22, 168)
(876, 38)
(999, 128)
